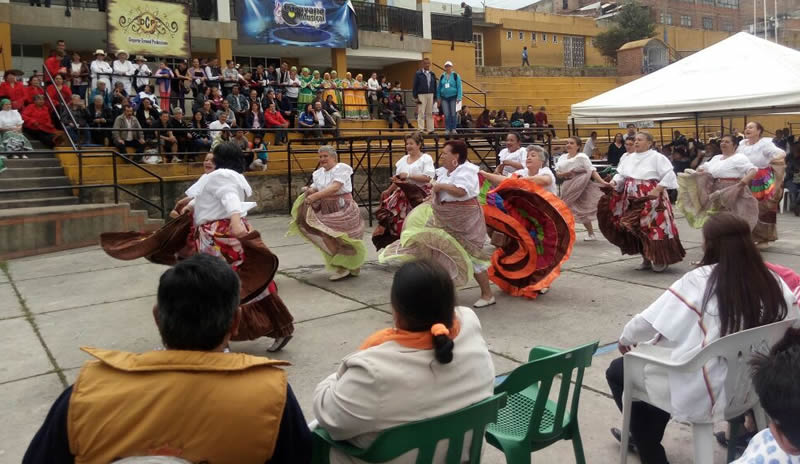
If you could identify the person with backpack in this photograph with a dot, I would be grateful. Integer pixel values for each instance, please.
(450, 94)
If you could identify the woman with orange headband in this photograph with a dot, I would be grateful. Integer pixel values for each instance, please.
(432, 362)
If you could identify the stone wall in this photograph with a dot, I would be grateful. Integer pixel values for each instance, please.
(544, 71)
(270, 192)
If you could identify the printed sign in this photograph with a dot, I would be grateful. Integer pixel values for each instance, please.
(146, 27)
(298, 23)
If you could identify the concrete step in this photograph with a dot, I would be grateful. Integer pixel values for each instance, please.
(28, 182)
(33, 163)
(37, 202)
(27, 172)
(43, 155)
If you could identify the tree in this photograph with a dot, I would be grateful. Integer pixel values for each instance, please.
(633, 22)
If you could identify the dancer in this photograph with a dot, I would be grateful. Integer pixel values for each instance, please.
(512, 157)
(577, 190)
(767, 186)
(410, 186)
(721, 184)
(532, 228)
(450, 228)
(326, 215)
(213, 221)
(635, 214)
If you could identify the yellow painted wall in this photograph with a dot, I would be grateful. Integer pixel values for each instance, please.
(5, 43)
(685, 40)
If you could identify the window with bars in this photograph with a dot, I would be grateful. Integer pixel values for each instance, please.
(665, 18)
(555, 39)
(708, 23)
(521, 35)
(533, 37)
(727, 27)
(728, 3)
(544, 37)
(686, 20)
(477, 40)
(508, 35)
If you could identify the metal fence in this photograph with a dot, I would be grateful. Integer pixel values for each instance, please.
(382, 18)
(451, 27)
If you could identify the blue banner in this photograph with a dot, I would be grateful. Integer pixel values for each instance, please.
(298, 23)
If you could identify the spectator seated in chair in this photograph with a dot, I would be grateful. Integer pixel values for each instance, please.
(38, 124)
(127, 132)
(167, 140)
(74, 114)
(274, 120)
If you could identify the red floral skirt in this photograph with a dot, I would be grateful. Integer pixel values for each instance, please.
(394, 209)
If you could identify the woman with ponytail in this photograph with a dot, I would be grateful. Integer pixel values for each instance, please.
(432, 362)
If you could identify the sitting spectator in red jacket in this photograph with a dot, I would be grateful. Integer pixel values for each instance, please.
(58, 85)
(13, 89)
(541, 121)
(38, 124)
(274, 119)
(34, 88)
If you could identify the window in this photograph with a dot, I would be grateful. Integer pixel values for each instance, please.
(544, 37)
(533, 37)
(555, 39)
(727, 27)
(686, 21)
(728, 3)
(477, 39)
(565, 4)
(508, 35)
(521, 35)
(666, 18)
(708, 2)
(708, 23)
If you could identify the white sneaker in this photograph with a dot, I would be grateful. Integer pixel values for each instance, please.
(24, 157)
(175, 159)
(279, 343)
(645, 266)
(659, 267)
(589, 238)
(13, 157)
(355, 272)
(544, 290)
(481, 303)
(340, 274)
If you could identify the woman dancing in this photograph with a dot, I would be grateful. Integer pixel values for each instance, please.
(450, 228)
(212, 220)
(577, 190)
(410, 186)
(721, 184)
(532, 228)
(326, 215)
(635, 214)
(767, 186)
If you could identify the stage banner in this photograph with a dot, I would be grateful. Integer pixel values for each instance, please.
(298, 23)
(145, 27)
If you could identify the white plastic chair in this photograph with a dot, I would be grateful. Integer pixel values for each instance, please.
(785, 204)
(736, 349)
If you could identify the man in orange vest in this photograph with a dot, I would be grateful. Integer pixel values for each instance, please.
(193, 399)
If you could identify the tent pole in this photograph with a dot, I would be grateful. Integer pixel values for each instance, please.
(574, 129)
(696, 128)
(721, 126)
(744, 123)
(661, 132)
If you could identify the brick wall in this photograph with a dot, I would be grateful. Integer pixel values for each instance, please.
(629, 62)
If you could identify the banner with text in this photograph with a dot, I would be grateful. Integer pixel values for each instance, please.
(298, 23)
(145, 27)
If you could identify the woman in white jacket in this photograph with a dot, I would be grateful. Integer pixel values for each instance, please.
(433, 362)
(123, 68)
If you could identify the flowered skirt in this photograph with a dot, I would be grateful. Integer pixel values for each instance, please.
(351, 108)
(638, 224)
(534, 232)
(331, 92)
(333, 225)
(700, 196)
(263, 312)
(767, 188)
(394, 208)
(581, 195)
(14, 141)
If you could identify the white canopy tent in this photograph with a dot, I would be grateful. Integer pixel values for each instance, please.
(742, 74)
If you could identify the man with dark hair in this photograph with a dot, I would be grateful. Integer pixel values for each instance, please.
(192, 399)
(775, 382)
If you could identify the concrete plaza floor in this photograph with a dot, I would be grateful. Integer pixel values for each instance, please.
(50, 305)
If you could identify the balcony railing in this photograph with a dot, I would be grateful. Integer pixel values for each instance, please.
(203, 9)
(451, 27)
(382, 18)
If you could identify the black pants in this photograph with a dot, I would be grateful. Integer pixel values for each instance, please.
(129, 143)
(647, 421)
(45, 137)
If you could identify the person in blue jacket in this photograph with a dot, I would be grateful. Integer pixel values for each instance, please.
(449, 96)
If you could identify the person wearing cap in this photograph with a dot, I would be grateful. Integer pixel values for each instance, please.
(141, 70)
(123, 68)
(12, 89)
(424, 92)
(100, 70)
(450, 93)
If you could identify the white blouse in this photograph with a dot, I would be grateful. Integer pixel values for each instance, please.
(100, 66)
(761, 152)
(464, 176)
(219, 194)
(518, 156)
(577, 163)
(10, 119)
(422, 166)
(543, 171)
(736, 166)
(339, 173)
(125, 68)
(650, 165)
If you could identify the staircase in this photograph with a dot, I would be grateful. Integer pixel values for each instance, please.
(39, 170)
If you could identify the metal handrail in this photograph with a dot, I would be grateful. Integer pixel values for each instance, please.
(466, 94)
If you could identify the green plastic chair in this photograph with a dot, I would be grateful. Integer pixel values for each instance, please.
(530, 421)
(423, 435)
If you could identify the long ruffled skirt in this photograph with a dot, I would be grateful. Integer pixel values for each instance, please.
(333, 225)
(581, 195)
(700, 196)
(394, 208)
(263, 312)
(638, 224)
(767, 188)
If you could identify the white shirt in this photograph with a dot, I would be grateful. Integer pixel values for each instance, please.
(761, 152)
(216, 127)
(422, 166)
(292, 92)
(649, 165)
(76, 68)
(464, 176)
(125, 68)
(543, 171)
(579, 162)
(149, 96)
(764, 449)
(320, 118)
(144, 70)
(676, 326)
(733, 167)
(339, 173)
(588, 147)
(517, 156)
(10, 119)
(373, 84)
(100, 66)
(389, 385)
(219, 194)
